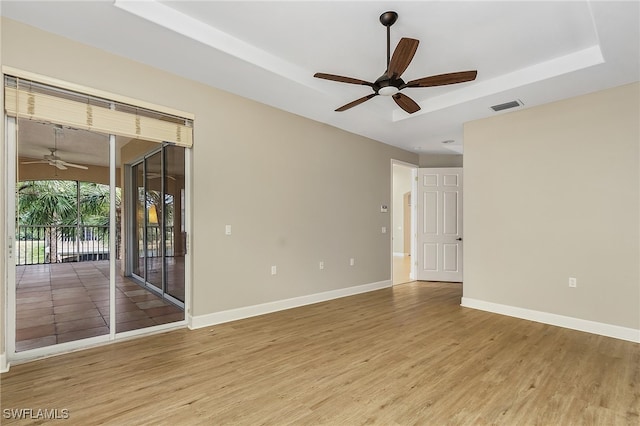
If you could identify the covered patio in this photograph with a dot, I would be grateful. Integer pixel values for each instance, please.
(61, 302)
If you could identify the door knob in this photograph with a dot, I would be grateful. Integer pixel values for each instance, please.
(459, 239)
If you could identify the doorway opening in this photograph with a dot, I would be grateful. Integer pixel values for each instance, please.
(403, 222)
(69, 219)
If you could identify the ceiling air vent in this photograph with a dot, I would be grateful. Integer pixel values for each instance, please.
(506, 105)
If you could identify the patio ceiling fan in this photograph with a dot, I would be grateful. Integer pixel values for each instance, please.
(390, 83)
(54, 160)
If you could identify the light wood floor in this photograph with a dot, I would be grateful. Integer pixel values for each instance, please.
(400, 356)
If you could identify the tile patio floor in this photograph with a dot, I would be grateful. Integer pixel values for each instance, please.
(62, 302)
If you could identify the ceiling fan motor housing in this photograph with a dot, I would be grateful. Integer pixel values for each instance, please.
(386, 86)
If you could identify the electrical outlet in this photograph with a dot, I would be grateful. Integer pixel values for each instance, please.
(321, 265)
(384, 229)
(274, 270)
(573, 282)
(352, 261)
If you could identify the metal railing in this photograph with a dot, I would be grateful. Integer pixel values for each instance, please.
(41, 244)
(154, 241)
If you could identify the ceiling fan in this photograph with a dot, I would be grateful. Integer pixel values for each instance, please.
(390, 83)
(54, 160)
(153, 175)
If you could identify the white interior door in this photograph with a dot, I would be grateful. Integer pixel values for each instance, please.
(439, 256)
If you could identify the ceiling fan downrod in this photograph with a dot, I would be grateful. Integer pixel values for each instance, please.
(388, 19)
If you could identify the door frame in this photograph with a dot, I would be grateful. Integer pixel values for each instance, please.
(8, 155)
(414, 174)
(10, 145)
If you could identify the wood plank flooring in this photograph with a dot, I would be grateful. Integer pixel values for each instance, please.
(407, 355)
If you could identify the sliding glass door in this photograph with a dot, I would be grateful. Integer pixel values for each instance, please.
(96, 230)
(158, 183)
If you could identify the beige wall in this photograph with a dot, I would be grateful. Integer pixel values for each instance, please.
(440, 160)
(295, 191)
(552, 192)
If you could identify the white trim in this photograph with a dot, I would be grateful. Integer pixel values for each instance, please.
(11, 143)
(200, 321)
(112, 236)
(396, 254)
(403, 163)
(609, 330)
(188, 227)
(4, 365)
(147, 331)
(59, 349)
(92, 342)
(196, 29)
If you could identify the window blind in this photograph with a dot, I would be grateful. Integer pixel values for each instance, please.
(27, 99)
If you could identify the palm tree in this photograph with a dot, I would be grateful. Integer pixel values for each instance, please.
(54, 203)
(50, 203)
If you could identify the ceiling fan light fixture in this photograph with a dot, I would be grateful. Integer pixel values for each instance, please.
(390, 83)
(388, 91)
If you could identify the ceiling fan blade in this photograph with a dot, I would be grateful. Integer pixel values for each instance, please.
(77, 166)
(443, 79)
(35, 162)
(406, 103)
(402, 57)
(60, 166)
(356, 102)
(342, 79)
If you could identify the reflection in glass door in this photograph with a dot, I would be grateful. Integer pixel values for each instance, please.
(158, 249)
(139, 220)
(154, 252)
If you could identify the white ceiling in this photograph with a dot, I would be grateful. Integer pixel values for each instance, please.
(536, 52)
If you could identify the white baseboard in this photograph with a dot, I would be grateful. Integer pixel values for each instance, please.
(4, 365)
(609, 330)
(280, 305)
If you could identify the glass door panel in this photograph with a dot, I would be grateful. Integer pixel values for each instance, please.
(157, 248)
(139, 221)
(175, 235)
(154, 209)
(62, 235)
